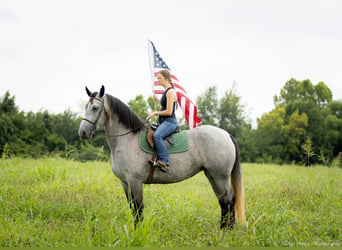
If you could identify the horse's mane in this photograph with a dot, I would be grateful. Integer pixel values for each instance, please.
(125, 114)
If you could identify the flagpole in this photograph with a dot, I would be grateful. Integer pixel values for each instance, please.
(151, 58)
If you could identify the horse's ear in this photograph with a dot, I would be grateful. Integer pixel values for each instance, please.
(102, 91)
(88, 92)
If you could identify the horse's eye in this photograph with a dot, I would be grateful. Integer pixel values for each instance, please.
(95, 108)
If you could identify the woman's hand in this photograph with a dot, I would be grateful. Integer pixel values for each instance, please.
(155, 98)
(151, 114)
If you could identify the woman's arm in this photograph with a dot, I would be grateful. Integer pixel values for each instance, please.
(171, 98)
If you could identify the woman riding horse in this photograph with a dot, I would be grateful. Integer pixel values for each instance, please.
(167, 118)
(211, 150)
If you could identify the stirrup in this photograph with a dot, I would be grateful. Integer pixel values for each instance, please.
(152, 163)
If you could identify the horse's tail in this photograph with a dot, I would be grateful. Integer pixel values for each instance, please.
(237, 185)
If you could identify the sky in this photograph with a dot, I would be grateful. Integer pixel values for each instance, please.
(51, 49)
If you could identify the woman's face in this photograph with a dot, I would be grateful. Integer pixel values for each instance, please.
(161, 80)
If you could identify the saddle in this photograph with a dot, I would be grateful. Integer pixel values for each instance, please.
(151, 128)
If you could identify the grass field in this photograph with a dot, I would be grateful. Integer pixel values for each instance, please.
(55, 202)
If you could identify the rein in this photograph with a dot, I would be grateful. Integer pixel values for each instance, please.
(103, 132)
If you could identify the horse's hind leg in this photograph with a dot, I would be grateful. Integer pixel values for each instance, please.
(224, 194)
(134, 195)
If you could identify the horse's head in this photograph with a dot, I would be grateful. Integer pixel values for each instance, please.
(93, 115)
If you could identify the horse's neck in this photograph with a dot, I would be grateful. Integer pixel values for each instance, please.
(115, 132)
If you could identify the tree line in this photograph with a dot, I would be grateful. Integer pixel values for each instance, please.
(304, 127)
(43, 134)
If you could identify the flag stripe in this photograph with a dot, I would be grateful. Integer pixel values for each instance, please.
(172, 76)
(176, 85)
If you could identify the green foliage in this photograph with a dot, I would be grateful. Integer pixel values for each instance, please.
(308, 151)
(280, 136)
(323, 123)
(7, 104)
(302, 110)
(39, 134)
(90, 152)
(337, 162)
(53, 202)
(293, 90)
(142, 107)
(207, 107)
(229, 114)
(139, 106)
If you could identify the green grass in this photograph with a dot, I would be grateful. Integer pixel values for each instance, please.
(55, 202)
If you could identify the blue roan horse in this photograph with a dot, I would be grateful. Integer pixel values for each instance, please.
(211, 150)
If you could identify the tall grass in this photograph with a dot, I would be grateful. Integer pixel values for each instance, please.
(55, 202)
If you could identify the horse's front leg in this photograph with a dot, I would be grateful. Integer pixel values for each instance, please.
(134, 194)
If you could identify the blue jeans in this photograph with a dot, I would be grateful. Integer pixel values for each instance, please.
(165, 129)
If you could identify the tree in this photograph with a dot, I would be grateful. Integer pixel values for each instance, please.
(312, 100)
(270, 138)
(139, 106)
(7, 104)
(332, 130)
(296, 128)
(207, 107)
(323, 94)
(335, 108)
(318, 94)
(280, 136)
(233, 118)
(8, 130)
(232, 113)
(229, 114)
(37, 134)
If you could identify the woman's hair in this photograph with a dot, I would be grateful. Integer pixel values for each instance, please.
(167, 75)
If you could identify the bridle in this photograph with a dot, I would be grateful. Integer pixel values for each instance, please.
(94, 123)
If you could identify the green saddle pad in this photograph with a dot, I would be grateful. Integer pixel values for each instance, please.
(180, 142)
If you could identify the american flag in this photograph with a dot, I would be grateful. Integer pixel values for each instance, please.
(188, 107)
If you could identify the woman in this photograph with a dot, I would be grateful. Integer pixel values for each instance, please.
(167, 118)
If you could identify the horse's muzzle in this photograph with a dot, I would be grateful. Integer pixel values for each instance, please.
(84, 135)
(84, 132)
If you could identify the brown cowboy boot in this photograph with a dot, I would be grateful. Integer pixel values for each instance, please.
(163, 166)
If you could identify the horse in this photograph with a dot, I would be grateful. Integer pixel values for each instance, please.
(211, 150)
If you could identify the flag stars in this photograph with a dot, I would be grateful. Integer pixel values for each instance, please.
(159, 63)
